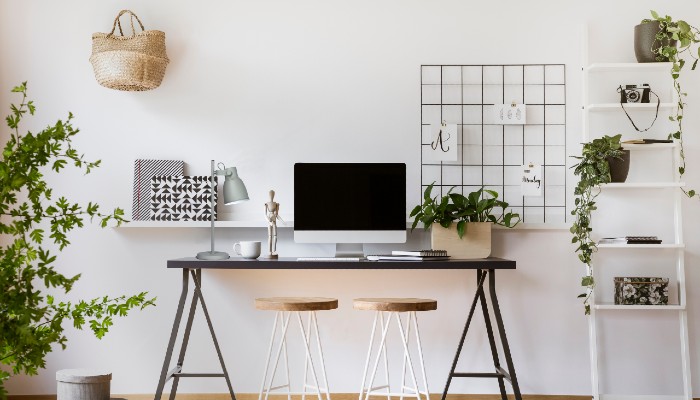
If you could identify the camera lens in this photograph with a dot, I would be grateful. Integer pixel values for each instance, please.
(632, 96)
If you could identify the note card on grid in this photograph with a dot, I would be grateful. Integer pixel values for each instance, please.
(531, 184)
(443, 143)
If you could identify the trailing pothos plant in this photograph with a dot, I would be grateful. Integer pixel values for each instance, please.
(593, 170)
(455, 207)
(675, 39)
(31, 320)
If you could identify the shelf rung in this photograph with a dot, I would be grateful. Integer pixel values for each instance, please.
(599, 67)
(670, 307)
(642, 246)
(642, 185)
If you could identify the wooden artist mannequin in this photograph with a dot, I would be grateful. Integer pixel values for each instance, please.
(272, 214)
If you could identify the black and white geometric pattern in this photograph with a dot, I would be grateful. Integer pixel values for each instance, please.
(182, 198)
(144, 170)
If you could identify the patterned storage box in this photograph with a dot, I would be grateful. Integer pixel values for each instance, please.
(641, 291)
(182, 198)
(144, 170)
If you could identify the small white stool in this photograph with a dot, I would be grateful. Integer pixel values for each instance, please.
(285, 307)
(394, 307)
(82, 384)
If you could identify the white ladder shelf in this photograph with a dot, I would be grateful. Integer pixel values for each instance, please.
(677, 247)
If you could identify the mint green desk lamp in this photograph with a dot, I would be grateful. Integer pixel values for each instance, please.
(234, 192)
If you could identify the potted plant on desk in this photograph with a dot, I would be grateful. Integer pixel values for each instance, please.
(461, 225)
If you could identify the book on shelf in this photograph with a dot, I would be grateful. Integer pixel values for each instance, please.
(631, 240)
(420, 253)
(391, 257)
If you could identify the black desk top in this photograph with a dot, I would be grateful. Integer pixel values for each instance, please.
(292, 263)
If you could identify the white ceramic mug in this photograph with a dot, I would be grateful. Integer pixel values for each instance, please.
(247, 249)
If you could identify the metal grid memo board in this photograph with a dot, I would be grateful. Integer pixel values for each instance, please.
(492, 155)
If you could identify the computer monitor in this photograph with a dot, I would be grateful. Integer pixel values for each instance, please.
(349, 204)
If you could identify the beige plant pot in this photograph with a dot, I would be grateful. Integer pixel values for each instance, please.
(476, 242)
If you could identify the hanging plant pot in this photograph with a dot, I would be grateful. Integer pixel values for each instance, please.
(645, 42)
(619, 168)
(476, 242)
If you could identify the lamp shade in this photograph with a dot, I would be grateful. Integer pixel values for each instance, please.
(234, 188)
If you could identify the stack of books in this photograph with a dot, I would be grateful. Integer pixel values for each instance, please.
(631, 240)
(419, 255)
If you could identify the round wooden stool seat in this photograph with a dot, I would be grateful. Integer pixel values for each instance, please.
(395, 304)
(296, 303)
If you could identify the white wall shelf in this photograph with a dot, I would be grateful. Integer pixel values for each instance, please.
(290, 224)
(200, 224)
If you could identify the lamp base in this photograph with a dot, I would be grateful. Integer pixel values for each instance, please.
(213, 255)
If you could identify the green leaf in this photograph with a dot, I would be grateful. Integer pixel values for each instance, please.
(461, 228)
(654, 14)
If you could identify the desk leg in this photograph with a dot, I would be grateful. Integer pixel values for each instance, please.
(499, 373)
(492, 341)
(481, 276)
(173, 334)
(176, 373)
(502, 333)
(185, 340)
(198, 293)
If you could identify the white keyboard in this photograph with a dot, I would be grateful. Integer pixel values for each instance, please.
(329, 259)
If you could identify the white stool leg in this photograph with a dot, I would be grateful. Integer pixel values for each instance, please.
(320, 353)
(369, 354)
(308, 354)
(404, 340)
(286, 367)
(420, 356)
(306, 367)
(403, 364)
(269, 356)
(376, 364)
(285, 324)
(386, 362)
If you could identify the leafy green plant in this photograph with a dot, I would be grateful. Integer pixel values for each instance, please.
(32, 321)
(675, 39)
(593, 170)
(455, 207)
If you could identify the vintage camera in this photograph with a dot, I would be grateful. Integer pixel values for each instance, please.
(634, 93)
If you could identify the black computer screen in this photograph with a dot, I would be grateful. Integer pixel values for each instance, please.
(343, 196)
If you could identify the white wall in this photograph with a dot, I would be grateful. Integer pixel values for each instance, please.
(263, 84)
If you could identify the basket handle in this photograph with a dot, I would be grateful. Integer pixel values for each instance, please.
(117, 22)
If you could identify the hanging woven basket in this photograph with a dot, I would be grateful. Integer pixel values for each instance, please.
(130, 63)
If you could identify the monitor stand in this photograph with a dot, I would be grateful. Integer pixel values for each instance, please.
(349, 250)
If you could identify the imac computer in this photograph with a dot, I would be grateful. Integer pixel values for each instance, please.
(349, 204)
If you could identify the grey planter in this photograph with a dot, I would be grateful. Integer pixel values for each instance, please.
(645, 42)
(619, 168)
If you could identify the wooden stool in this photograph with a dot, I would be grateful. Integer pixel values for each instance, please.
(285, 307)
(394, 307)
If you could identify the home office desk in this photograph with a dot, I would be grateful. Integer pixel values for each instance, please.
(192, 268)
